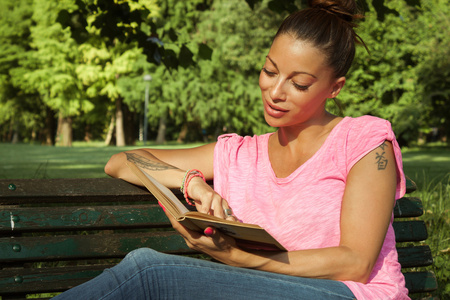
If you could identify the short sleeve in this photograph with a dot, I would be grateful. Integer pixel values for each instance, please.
(368, 133)
(222, 159)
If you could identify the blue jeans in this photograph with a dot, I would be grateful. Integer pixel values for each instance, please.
(146, 274)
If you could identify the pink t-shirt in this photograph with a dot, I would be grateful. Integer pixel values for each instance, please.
(302, 211)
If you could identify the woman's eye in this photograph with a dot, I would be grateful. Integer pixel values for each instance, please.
(268, 73)
(300, 87)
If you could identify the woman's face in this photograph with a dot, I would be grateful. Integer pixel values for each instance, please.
(295, 83)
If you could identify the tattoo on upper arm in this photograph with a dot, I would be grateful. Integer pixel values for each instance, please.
(148, 164)
(381, 160)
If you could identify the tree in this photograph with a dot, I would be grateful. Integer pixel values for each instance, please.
(220, 91)
(108, 34)
(119, 31)
(433, 64)
(78, 61)
(389, 82)
(48, 68)
(18, 109)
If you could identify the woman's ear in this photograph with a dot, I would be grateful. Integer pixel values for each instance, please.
(337, 86)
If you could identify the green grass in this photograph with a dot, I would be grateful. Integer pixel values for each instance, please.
(83, 160)
(429, 167)
(435, 197)
(426, 164)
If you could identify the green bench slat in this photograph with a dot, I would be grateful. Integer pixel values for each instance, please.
(35, 191)
(410, 231)
(46, 279)
(56, 218)
(19, 219)
(417, 256)
(420, 282)
(408, 207)
(49, 248)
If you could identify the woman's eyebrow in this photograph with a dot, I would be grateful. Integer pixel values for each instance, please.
(293, 73)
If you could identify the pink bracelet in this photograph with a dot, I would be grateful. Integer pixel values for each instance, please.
(187, 178)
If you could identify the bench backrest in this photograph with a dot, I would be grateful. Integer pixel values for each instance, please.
(58, 233)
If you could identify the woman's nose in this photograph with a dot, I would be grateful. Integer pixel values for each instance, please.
(278, 91)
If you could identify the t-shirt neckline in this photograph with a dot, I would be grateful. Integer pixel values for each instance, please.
(291, 176)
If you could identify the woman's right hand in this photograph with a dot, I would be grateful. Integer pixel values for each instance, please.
(207, 200)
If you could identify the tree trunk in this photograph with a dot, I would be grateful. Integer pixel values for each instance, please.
(15, 137)
(161, 138)
(110, 133)
(87, 133)
(120, 134)
(129, 126)
(11, 131)
(183, 133)
(49, 131)
(64, 131)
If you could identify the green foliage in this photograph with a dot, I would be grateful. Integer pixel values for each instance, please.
(49, 69)
(76, 57)
(402, 73)
(222, 92)
(15, 22)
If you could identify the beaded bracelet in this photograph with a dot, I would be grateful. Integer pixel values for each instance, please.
(187, 178)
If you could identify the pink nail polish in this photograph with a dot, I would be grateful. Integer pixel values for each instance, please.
(161, 206)
(209, 231)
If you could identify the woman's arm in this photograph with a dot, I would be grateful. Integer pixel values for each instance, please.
(169, 168)
(366, 211)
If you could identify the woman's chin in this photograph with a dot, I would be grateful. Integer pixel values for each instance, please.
(273, 122)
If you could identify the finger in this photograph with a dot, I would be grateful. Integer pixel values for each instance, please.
(204, 205)
(209, 231)
(217, 207)
(227, 211)
(220, 241)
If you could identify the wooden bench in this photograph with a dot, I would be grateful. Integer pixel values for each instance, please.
(58, 233)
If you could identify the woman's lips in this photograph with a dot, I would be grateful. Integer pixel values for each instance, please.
(274, 111)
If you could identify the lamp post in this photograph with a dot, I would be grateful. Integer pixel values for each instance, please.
(147, 79)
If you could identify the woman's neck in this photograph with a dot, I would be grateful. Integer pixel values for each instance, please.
(307, 132)
(289, 147)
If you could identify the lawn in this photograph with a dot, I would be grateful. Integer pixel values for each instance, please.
(429, 167)
(83, 160)
(427, 164)
(86, 160)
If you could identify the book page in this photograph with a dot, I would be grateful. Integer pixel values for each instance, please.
(161, 193)
(167, 192)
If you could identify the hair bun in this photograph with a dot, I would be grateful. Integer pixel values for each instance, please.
(344, 9)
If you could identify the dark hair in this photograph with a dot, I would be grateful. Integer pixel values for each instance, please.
(329, 26)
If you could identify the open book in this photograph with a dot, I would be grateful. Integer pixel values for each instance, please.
(246, 235)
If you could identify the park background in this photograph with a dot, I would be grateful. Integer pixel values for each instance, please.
(75, 77)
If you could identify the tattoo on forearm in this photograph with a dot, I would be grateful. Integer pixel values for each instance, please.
(381, 160)
(148, 164)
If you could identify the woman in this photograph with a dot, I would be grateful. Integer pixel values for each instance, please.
(322, 185)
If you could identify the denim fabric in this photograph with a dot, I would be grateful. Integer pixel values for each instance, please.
(147, 274)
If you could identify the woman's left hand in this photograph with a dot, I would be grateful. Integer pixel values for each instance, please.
(211, 242)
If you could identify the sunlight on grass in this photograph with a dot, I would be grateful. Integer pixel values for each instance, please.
(83, 160)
